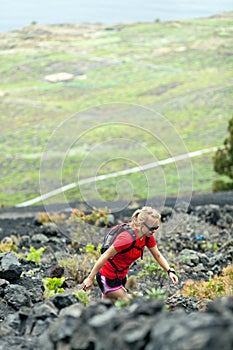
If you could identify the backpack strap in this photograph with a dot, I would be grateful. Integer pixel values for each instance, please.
(133, 235)
(115, 267)
(133, 245)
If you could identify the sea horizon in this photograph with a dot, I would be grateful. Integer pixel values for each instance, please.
(15, 15)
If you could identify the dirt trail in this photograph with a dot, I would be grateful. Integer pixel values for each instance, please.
(218, 198)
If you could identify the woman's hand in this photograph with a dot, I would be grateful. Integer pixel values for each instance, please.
(173, 277)
(164, 264)
(87, 284)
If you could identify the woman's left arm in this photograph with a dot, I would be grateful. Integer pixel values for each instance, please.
(163, 263)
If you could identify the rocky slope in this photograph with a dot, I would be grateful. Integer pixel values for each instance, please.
(199, 246)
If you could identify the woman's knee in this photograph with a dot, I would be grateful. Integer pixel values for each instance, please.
(118, 294)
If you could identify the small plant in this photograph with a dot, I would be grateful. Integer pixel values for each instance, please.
(79, 265)
(185, 258)
(85, 231)
(71, 264)
(215, 287)
(90, 248)
(97, 216)
(53, 286)
(223, 161)
(82, 296)
(35, 254)
(210, 246)
(150, 268)
(123, 302)
(8, 246)
(156, 293)
(44, 217)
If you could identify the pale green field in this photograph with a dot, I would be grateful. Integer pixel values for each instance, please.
(172, 82)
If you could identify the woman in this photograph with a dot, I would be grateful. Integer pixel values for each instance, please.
(112, 266)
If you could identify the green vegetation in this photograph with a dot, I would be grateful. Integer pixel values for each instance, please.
(150, 268)
(216, 287)
(82, 296)
(8, 246)
(56, 218)
(96, 216)
(53, 286)
(180, 71)
(223, 162)
(83, 255)
(35, 254)
(78, 266)
(157, 293)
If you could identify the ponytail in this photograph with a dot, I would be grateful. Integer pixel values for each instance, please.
(141, 215)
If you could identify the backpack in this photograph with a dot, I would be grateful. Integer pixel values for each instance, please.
(112, 234)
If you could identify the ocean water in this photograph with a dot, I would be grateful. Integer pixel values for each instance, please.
(15, 14)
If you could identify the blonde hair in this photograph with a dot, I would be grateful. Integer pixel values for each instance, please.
(141, 215)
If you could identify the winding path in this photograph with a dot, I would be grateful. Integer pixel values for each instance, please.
(116, 174)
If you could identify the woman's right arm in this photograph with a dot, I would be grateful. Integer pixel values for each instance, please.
(87, 283)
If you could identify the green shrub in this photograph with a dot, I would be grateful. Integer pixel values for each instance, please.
(150, 268)
(44, 217)
(219, 185)
(82, 296)
(97, 216)
(53, 286)
(216, 287)
(79, 265)
(156, 293)
(8, 246)
(35, 254)
(223, 161)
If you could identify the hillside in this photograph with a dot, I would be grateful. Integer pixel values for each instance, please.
(136, 93)
(35, 315)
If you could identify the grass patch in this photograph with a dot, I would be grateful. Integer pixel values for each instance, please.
(182, 70)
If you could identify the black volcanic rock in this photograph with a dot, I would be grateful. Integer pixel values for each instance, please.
(10, 268)
(200, 245)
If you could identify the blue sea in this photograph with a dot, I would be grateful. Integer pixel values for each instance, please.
(15, 14)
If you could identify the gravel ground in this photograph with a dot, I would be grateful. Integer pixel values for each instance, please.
(21, 220)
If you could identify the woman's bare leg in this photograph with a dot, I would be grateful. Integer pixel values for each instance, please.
(117, 294)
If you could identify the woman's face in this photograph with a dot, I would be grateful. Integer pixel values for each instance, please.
(149, 227)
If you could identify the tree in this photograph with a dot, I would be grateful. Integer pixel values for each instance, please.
(223, 162)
